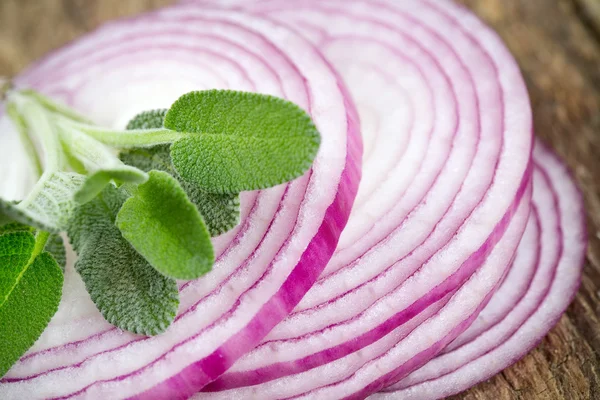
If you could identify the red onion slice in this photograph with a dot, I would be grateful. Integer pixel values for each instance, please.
(498, 345)
(516, 284)
(364, 372)
(426, 230)
(264, 267)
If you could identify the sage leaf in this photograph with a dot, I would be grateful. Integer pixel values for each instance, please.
(99, 162)
(50, 204)
(221, 212)
(151, 119)
(55, 245)
(126, 289)
(11, 226)
(237, 141)
(30, 291)
(165, 227)
(98, 180)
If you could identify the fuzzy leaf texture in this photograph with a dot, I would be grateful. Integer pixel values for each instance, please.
(148, 119)
(30, 291)
(239, 141)
(127, 290)
(50, 204)
(165, 227)
(55, 245)
(99, 162)
(11, 226)
(98, 180)
(53, 106)
(221, 212)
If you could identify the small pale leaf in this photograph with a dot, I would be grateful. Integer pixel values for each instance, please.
(100, 163)
(50, 204)
(98, 180)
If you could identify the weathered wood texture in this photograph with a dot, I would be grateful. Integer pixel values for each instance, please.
(557, 44)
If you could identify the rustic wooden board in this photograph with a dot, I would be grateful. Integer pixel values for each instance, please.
(557, 44)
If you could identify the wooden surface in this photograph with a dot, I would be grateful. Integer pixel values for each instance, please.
(557, 44)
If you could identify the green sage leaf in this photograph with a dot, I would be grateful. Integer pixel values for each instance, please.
(127, 290)
(99, 162)
(30, 291)
(55, 245)
(11, 226)
(98, 180)
(50, 204)
(151, 119)
(221, 212)
(239, 141)
(165, 227)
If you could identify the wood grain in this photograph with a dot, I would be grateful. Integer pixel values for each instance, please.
(557, 44)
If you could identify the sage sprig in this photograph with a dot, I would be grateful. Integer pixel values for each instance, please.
(139, 205)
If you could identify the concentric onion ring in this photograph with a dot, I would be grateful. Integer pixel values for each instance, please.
(495, 343)
(438, 211)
